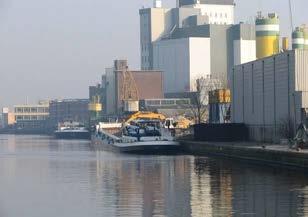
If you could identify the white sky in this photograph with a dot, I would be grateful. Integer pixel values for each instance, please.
(57, 48)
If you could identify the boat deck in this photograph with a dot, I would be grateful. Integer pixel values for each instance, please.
(147, 144)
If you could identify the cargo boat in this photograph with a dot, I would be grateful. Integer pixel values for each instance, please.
(140, 136)
(72, 131)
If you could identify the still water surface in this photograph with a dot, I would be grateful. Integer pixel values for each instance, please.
(42, 177)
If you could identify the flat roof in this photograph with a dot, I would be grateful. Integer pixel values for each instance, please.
(213, 2)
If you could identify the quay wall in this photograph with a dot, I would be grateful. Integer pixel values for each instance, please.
(253, 154)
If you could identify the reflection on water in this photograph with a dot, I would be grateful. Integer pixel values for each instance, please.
(40, 176)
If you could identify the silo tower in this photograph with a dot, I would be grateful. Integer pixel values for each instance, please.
(305, 30)
(298, 39)
(267, 35)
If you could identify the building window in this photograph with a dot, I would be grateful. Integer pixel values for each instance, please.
(182, 102)
(153, 102)
(33, 110)
(167, 102)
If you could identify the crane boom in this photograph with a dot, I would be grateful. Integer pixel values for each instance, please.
(129, 90)
(291, 15)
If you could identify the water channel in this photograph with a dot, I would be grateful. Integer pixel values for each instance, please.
(40, 176)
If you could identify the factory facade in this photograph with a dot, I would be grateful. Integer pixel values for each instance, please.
(270, 95)
(196, 39)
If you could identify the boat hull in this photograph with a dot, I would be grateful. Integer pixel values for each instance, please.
(148, 147)
(73, 135)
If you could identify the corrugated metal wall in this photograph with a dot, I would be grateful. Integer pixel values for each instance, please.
(301, 79)
(270, 92)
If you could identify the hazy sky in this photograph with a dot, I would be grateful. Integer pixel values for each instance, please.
(57, 48)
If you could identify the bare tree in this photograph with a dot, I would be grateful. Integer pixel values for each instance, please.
(286, 128)
(200, 97)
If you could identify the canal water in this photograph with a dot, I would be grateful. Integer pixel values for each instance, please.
(43, 177)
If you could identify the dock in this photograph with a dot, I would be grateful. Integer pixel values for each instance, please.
(269, 154)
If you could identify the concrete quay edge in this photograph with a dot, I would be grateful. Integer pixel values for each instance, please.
(255, 153)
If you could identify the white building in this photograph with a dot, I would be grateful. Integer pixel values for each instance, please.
(202, 51)
(179, 56)
(218, 11)
(186, 43)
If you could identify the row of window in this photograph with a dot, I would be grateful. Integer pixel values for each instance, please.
(31, 110)
(30, 117)
(145, 59)
(144, 47)
(216, 15)
(221, 23)
(168, 102)
(32, 125)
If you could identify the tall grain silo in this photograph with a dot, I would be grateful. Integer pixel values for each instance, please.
(298, 39)
(267, 35)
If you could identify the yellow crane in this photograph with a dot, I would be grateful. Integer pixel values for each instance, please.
(129, 92)
(145, 115)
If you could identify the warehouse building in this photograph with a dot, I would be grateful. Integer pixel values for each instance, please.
(270, 95)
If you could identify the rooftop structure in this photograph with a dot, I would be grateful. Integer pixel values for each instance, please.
(182, 3)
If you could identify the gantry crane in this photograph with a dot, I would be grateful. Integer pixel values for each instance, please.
(129, 89)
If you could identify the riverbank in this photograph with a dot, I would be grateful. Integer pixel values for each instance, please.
(253, 152)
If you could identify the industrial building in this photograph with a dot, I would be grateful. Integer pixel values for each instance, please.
(270, 95)
(31, 118)
(158, 22)
(121, 83)
(196, 39)
(75, 110)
